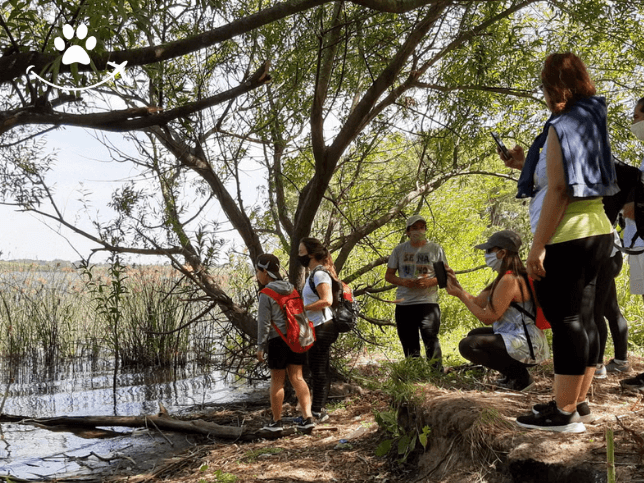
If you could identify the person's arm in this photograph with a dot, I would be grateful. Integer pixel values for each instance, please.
(629, 210)
(325, 297)
(425, 281)
(263, 325)
(391, 277)
(554, 205)
(504, 292)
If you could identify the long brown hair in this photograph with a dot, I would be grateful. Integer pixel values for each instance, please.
(511, 263)
(566, 79)
(320, 253)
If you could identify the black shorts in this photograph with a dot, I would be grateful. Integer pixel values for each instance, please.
(280, 355)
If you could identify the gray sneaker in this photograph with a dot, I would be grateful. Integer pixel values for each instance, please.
(273, 426)
(320, 416)
(618, 366)
(600, 372)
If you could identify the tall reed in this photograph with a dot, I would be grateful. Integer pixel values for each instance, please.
(39, 313)
(47, 313)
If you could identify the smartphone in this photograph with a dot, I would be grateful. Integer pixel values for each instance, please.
(441, 274)
(500, 144)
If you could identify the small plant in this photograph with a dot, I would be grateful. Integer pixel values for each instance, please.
(405, 441)
(251, 456)
(221, 477)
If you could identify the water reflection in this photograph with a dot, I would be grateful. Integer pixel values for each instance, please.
(78, 389)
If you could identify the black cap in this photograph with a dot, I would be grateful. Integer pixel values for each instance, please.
(506, 239)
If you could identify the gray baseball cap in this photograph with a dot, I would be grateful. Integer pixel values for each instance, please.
(507, 239)
(413, 219)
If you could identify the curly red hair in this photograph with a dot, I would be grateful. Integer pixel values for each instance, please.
(566, 79)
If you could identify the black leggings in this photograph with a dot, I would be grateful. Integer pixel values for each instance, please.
(567, 296)
(606, 306)
(424, 317)
(320, 363)
(482, 346)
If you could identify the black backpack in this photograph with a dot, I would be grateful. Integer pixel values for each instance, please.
(343, 307)
(631, 186)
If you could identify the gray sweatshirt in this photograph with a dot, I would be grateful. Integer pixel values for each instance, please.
(269, 311)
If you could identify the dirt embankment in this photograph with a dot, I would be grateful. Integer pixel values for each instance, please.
(472, 438)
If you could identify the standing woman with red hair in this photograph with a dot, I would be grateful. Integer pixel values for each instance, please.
(567, 171)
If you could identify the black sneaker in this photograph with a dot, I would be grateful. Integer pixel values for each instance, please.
(274, 426)
(501, 380)
(634, 383)
(583, 414)
(305, 426)
(552, 419)
(516, 384)
(321, 416)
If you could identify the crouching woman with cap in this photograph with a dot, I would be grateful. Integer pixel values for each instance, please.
(511, 342)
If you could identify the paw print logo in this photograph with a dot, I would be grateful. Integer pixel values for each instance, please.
(75, 53)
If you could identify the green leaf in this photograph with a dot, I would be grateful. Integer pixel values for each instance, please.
(384, 447)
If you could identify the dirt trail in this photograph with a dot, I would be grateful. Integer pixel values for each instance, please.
(473, 438)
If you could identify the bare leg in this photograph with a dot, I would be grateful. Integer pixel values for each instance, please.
(585, 385)
(301, 389)
(567, 390)
(277, 392)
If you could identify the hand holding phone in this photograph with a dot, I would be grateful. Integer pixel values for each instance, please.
(501, 146)
(441, 274)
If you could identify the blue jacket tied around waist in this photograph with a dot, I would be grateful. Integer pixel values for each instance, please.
(587, 161)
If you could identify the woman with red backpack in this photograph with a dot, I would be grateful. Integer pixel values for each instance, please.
(281, 359)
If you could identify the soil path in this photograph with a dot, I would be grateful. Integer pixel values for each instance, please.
(473, 438)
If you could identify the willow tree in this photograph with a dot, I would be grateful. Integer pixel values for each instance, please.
(352, 112)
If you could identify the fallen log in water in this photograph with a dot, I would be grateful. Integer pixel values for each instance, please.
(161, 421)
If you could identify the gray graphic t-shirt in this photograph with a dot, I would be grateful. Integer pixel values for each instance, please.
(416, 262)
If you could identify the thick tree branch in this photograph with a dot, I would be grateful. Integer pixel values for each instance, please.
(15, 65)
(128, 119)
(189, 158)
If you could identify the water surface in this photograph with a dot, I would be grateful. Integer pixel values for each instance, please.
(83, 388)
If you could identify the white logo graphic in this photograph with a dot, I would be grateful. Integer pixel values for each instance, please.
(77, 54)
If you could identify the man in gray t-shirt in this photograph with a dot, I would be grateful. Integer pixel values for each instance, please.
(417, 309)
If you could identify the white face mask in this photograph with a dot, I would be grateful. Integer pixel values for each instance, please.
(417, 235)
(638, 130)
(493, 262)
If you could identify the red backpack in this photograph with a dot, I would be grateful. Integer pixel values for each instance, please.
(300, 334)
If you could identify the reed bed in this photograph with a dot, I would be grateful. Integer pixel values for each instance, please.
(51, 313)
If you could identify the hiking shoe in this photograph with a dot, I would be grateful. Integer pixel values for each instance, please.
(583, 414)
(600, 372)
(274, 426)
(501, 380)
(305, 426)
(615, 365)
(634, 383)
(321, 416)
(552, 419)
(516, 384)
